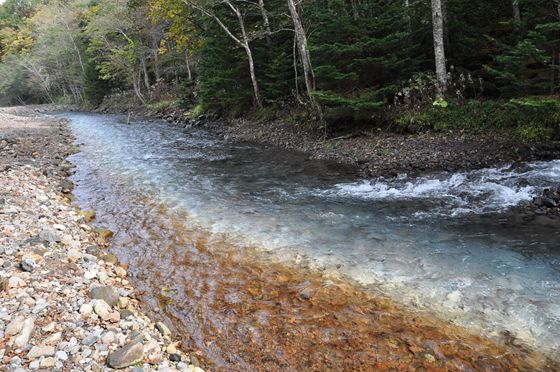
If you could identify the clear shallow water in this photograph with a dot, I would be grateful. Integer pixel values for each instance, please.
(433, 242)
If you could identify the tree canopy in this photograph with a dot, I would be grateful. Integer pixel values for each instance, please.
(352, 60)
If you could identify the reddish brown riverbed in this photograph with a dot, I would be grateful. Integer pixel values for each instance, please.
(246, 312)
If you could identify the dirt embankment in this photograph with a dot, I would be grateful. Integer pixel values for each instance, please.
(65, 303)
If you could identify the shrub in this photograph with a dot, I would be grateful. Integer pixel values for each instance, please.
(532, 119)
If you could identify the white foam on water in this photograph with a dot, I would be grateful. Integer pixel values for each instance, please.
(481, 191)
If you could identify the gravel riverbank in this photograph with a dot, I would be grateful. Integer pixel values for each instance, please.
(390, 154)
(65, 304)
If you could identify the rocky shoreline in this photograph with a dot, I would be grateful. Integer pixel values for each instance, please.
(375, 153)
(65, 303)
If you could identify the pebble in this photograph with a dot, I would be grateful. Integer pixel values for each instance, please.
(61, 355)
(15, 326)
(108, 338)
(39, 351)
(102, 309)
(171, 349)
(25, 335)
(35, 364)
(89, 340)
(48, 362)
(110, 259)
(28, 265)
(94, 251)
(124, 314)
(126, 356)
(107, 293)
(74, 255)
(50, 236)
(163, 329)
(49, 327)
(88, 275)
(120, 272)
(86, 309)
(15, 282)
(53, 339)
(123, 302)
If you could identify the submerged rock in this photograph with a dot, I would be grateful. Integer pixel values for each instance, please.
(110, 259)
(66, 186)
(94, 251)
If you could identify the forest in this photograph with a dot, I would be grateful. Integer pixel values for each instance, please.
(405, 66)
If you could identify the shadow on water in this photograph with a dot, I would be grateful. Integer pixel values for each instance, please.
(262, 259)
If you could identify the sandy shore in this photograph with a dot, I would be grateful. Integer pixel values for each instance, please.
(65, 304)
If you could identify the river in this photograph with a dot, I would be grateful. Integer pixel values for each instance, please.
(208, 226)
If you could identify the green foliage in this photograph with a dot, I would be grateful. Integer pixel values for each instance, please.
(539, 133)
(522, 69)
(532, 119)
(195, 112)
(537, 118)
(13, 83)
(372, 61)
(95, 88)
(358, 57)
(161, 106)
(440, 102)
(224, 85)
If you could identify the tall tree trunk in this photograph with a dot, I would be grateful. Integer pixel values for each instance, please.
(445, 18)
(439, 48)
(188, 65)
(554, 63)
(407, 15)
(355, 12)
(145, 73)
(136, 85)
(155, 52)
(516, 11)
(243, 42)
(303, 50)
(296, 75)
(157, 67)
(256, 92)
(305, 56)
(264, 16)
(76, 48)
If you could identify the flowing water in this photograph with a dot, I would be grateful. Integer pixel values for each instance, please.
(214, 228)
